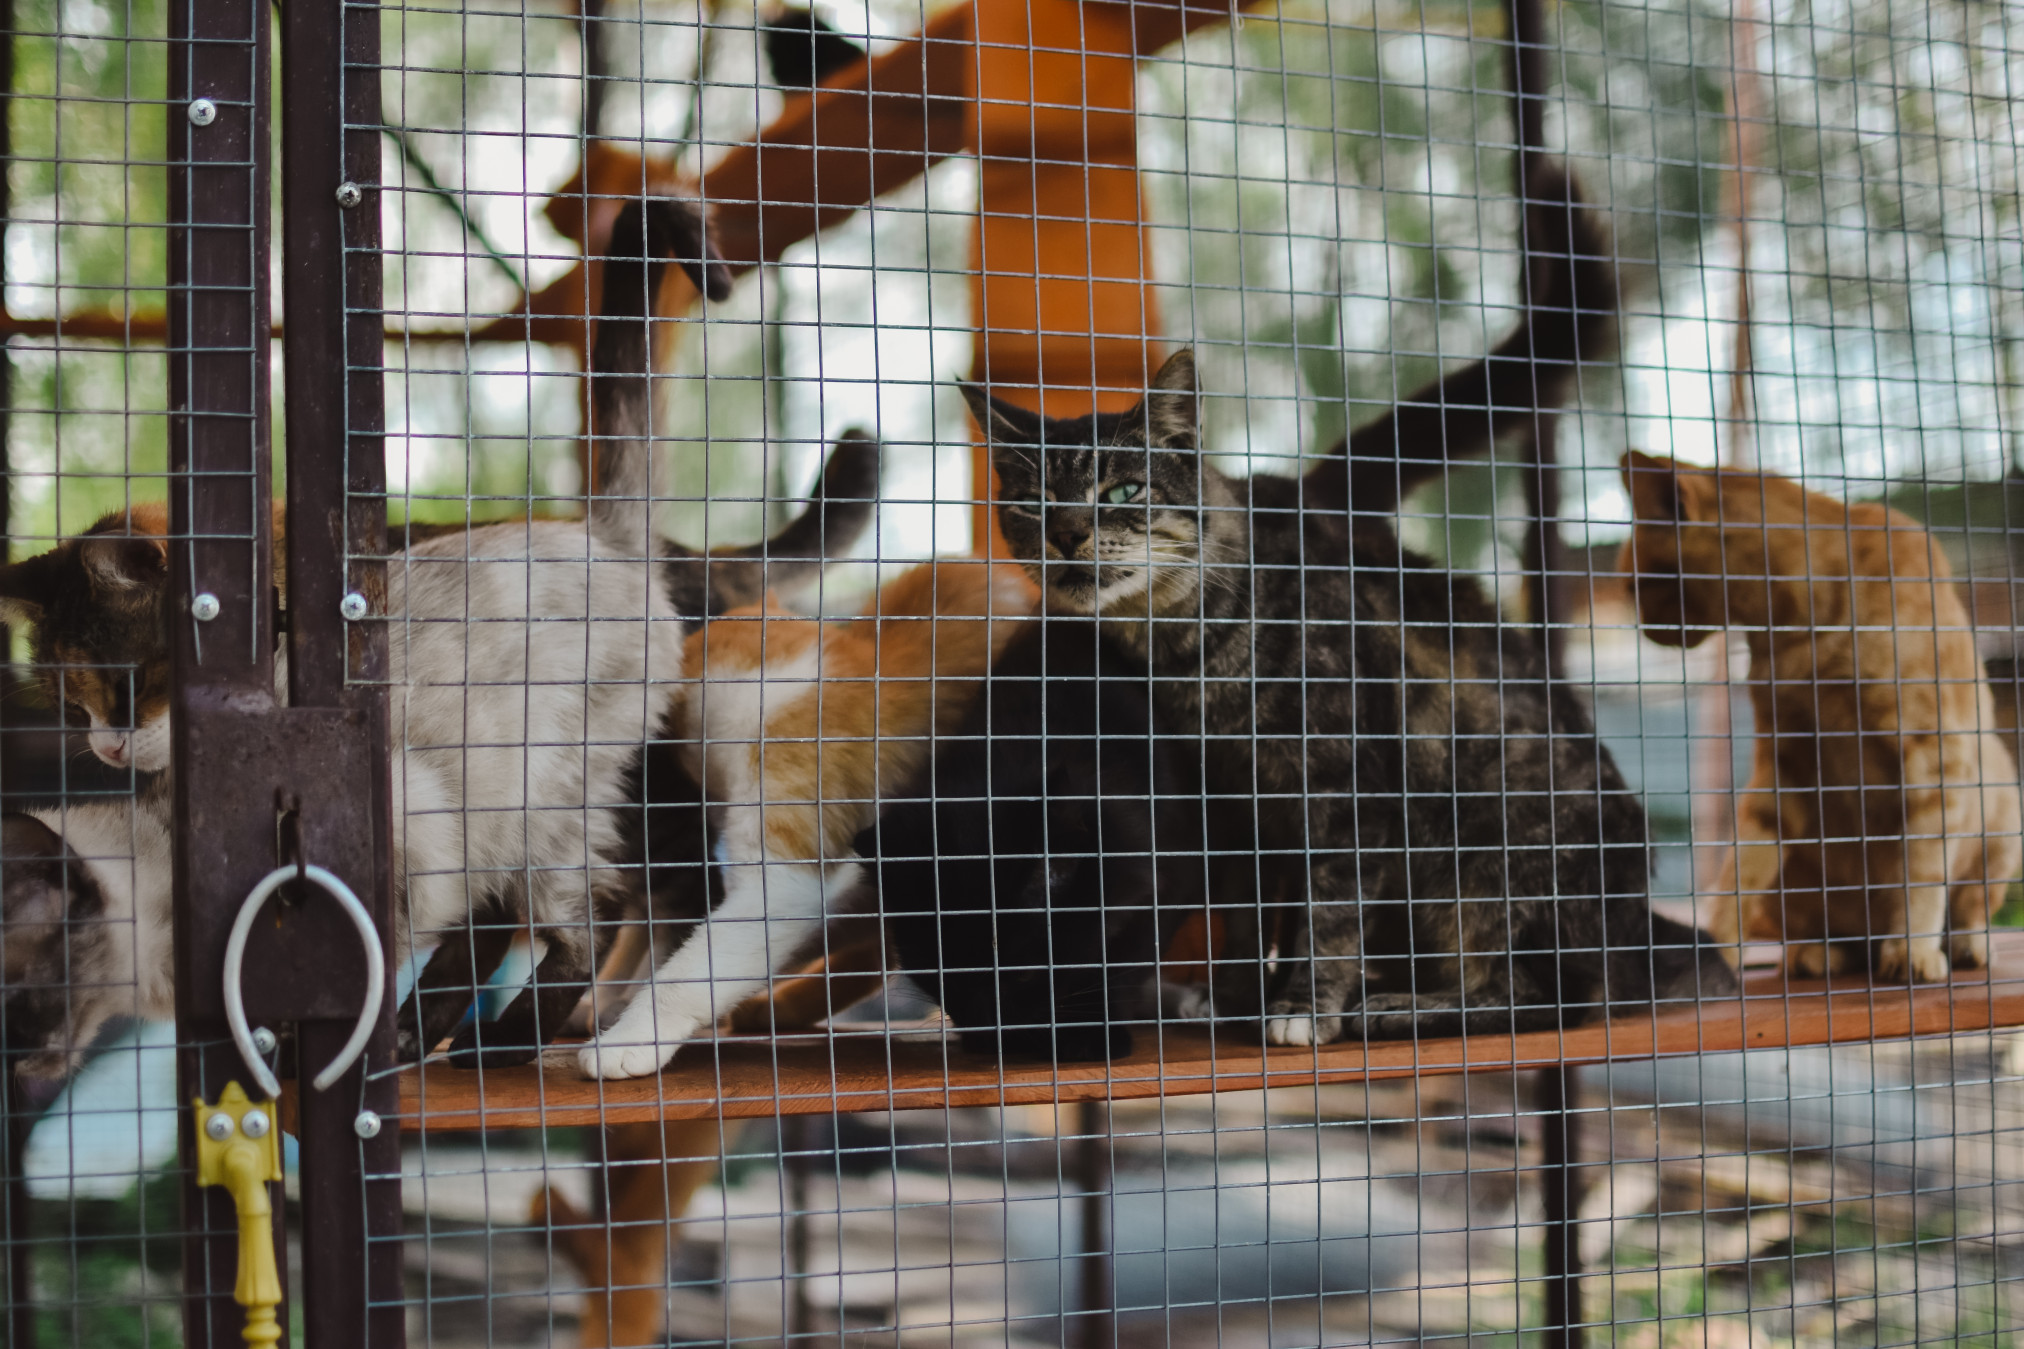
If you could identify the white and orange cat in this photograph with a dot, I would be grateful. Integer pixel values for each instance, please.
(795, 727)
(1881, 822)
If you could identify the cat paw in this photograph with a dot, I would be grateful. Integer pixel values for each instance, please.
(1897, 960)
(613, 1061)
(1969, 950)
(1187, 1002)
(1302, 1030)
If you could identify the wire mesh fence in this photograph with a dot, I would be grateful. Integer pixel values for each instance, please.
(1025, 674)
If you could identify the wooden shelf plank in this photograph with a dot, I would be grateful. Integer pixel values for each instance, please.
(872, 1068)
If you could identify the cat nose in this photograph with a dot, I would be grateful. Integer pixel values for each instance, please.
(112, 748)
(1069, 528)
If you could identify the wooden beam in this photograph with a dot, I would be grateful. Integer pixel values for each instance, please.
(881, 1068)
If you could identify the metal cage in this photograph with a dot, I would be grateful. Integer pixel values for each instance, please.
(309, 303)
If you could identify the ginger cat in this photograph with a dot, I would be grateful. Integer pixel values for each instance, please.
(1882, 816)
(795, 727)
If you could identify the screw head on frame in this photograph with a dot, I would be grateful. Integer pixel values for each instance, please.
(367, 1125)
(353, 606)
(255, 1123)
(264, 1040)
(349, 195)
(218, 1126)
(204, 607)
(203, 112)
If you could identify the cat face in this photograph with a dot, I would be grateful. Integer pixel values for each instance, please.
(1698, 544)
(52, 939)
(1113, 514)
(98, 604)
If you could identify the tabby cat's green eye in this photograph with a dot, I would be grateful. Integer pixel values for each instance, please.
(1122, 492)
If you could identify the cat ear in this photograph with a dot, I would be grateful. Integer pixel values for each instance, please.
(26, 588)
(1003, 423)
(1171, 411)
(1654, 486)
(120, 561)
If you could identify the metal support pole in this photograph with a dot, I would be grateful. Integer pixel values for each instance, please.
(1097, 1303)
(16, 1119)
(797, 1138)
(1563, 1240)
(351, 1203)
(219, 82)
(1545, 561)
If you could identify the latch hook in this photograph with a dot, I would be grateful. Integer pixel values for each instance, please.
(235, 957)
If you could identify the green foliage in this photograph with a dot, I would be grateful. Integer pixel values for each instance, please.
(106, 1271)
(89, 196)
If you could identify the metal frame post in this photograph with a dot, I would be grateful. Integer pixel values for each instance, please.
(218, 51)
(1545, 560)
(332, 288)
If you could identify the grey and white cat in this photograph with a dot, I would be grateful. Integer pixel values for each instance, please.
(1421, 824)
(530, 661)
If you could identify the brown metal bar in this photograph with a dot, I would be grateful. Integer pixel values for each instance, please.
(16, 1116)
(218, 317)
(1553, 1094)
(1545, 563)
(332, 287)
(1097, 1300)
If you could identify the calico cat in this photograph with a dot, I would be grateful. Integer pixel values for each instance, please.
(1875, 722)
(1454, 849)
(515, 828)
(795, 728)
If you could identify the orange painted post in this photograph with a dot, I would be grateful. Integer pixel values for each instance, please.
(1064, 318)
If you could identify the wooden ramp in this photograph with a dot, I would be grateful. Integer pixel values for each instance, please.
(876, 1067)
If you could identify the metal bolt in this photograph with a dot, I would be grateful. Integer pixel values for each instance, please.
(204, 607)
(348, 195)
(203, 112)
(353, 606)
(367, 1125)
(255, 1124)
(264, 1040)
(218, 1126)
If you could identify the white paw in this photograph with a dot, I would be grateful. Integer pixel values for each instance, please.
(598, 1059)
(1970, 950)
(1292, 1030)
(1188, 1002)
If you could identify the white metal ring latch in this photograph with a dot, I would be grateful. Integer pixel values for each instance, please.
(235, 957)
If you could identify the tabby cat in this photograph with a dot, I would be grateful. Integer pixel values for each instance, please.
(1448, 846)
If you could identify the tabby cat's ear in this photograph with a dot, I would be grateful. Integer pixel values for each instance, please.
(119, 561)
(26, 589)
(1171, 410)
(1003, 423)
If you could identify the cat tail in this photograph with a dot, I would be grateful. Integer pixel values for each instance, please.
(842, 503)
(1680, 966)
(1571, 320)
(646, 235)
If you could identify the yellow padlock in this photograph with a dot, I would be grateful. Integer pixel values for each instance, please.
(239, 1147)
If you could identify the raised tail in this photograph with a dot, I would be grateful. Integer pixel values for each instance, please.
(1571, 319)
(842, 503)
(645, 236)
